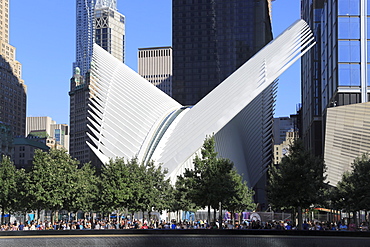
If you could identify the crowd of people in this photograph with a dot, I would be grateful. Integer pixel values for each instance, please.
(82, 224)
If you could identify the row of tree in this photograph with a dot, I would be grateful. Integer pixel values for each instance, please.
(57, 182)
(298, 183)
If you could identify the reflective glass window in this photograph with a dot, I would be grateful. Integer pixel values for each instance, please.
(349, 75)
(349, 51)
(348, 27)
(348, 7)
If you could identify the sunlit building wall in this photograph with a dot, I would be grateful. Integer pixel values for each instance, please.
(155, 65)
(12, 88)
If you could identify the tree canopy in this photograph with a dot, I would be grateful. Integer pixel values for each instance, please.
(212, 181)
(352, 192)
(8, 186)
(298, 181)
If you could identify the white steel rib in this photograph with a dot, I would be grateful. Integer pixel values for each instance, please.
(131, 117)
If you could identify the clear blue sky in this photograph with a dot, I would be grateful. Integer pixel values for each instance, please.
(43, 33)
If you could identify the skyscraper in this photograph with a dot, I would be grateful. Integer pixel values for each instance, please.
(155, 65)
(97, 21)
(211, 39)
(110, 28)
(12, 87)
(335, 75)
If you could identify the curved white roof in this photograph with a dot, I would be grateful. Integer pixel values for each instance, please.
(131, 117)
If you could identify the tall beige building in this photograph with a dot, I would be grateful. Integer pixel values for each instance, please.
(155, 65)
(110, 30)
(282, 150)
(12, 88)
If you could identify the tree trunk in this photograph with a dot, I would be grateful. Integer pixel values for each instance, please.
(2, 216)
(214, 215)
(365, 216)
(38, 215)
(233, 217)
(220, 216)
(209, 213)
(300, 219)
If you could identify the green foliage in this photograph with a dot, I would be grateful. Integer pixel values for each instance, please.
(159, 189)
(353, 191)
(242, 196)
(115, 185)
(8, 185)
(181, 196)
(298, 181)
(84, 192)
(52, 180)
(361, 182)
(212, 181)
(134, 186)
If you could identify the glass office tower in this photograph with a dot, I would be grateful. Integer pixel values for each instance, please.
(211, 39)
(84, 34)
(335, 72)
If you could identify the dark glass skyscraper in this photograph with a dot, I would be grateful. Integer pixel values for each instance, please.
(211, 39)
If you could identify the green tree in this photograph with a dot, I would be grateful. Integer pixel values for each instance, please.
(24, 203)
(352, 192)
(158, 189)
(138, 199)
(200, 179)
(213, 182)
(116, 190)
(298, 181)
(84, 192)
(242, 196)
(361, 181)
(345, 193)
(181, 196)
(8, 186)
(52, 180)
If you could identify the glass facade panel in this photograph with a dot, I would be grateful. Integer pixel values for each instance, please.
(349, 51)
(348, 7)
(349, 28)
(220, 36)
(349, 75)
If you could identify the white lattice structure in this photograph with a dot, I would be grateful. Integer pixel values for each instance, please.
(131, 117)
